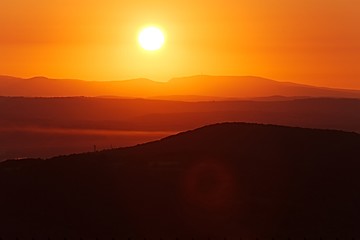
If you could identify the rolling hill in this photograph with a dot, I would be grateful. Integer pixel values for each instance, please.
(45, 127)
(231, 179)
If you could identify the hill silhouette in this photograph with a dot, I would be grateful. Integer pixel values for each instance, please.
(75, 124)
(211, 87)
(230, 179)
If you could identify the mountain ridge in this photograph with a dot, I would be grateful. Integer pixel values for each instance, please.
(201, 85)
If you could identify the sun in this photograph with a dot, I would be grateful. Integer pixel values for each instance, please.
(151, 38)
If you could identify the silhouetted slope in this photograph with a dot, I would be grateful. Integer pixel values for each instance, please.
(74, 124)
(230, 179)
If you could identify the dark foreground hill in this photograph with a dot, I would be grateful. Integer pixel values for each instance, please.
(230, 179)
(58, 126)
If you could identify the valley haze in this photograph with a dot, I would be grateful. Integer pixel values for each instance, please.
(43, 117)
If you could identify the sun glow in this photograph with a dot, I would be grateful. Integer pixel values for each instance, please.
(151, 38)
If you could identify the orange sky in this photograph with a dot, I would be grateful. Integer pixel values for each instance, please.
(309, 41)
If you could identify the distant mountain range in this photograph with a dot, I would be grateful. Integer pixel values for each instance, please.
(236, 180)
(194, 88)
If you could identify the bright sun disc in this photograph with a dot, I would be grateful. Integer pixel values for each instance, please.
(151, 38)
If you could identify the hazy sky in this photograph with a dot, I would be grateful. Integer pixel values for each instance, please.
(308, 41)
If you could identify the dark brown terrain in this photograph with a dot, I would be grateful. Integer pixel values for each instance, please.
(232, 179)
